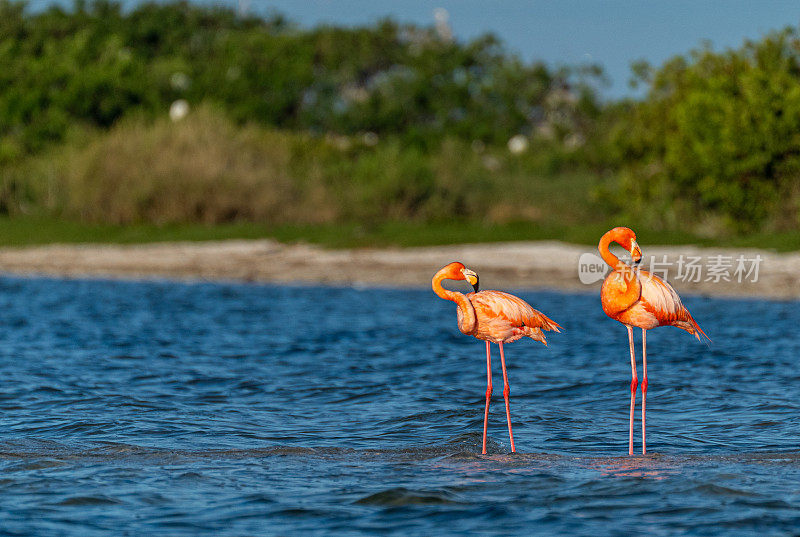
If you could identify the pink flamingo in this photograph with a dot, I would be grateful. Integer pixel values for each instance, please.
(636, 297)
(495, 317)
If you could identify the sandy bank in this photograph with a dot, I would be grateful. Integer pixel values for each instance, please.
(517, 265)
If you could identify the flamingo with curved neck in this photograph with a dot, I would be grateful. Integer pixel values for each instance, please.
(495, 317)
(638, 298)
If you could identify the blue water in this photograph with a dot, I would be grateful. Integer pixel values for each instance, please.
(226, 409)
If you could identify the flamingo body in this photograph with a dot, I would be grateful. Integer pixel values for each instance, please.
(645, 301)
(495, 317)
(503, 318)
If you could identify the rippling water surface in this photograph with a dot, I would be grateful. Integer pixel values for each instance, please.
(223, 409)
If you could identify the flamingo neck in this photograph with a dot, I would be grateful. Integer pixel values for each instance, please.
(467, 319)
(612, 260)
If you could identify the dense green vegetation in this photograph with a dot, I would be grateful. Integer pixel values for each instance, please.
(384, 134)
(95, 64)
(717, 137)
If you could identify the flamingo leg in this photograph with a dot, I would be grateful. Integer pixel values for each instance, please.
(634, 383)
(488, 394)
(506, 392)
(644, 386)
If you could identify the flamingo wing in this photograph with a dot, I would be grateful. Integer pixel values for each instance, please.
(505, 317)
(661, 300)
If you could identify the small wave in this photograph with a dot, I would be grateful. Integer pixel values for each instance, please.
(719, 490)
(400, 496)
(86, 501)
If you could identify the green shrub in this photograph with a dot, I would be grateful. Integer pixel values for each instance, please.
(716, 138)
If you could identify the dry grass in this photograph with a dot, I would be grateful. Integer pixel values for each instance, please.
(202, 169)
(206, 169)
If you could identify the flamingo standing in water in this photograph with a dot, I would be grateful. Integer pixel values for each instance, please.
(495, 317)
(636, 297)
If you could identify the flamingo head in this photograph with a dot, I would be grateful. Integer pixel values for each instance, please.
(625, 237)
(457, 271)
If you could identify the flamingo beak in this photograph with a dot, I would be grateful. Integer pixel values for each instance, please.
(636, 253)
(472, 278)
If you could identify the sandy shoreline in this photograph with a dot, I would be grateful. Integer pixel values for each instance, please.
(514, 265)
